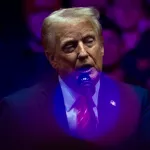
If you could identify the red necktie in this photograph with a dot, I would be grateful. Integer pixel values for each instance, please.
(86, 119)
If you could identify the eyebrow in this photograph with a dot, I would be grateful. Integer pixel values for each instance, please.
(68, 40)
(89, 34)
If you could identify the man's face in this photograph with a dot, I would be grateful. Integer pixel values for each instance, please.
(79, 50)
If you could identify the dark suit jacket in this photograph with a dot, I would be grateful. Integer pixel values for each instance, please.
(34, 118)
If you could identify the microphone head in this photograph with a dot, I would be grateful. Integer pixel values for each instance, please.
(84, 80)
(86, 84)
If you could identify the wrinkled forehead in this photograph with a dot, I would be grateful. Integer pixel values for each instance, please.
(75, 29)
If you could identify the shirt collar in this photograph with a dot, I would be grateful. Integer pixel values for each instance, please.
(70, 96)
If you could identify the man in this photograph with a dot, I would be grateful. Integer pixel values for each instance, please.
(78, 103)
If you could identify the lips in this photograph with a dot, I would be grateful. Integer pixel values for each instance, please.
(85, 68)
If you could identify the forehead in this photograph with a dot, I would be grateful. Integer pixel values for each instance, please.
(75, 29)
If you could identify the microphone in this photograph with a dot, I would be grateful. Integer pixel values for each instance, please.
(88, 90)
(84, 79)
(86, 84)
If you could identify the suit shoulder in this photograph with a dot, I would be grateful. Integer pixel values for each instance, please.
(123, 86)
(139, 92)
(23, 95)
(137, 89)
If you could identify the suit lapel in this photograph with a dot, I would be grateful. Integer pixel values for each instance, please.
(111, 106)
(59, 109)
(116, 101)
(53, 92)
(107, 111)
(108, 105)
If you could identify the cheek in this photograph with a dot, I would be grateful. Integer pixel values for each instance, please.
(97, 56)
(67, 61)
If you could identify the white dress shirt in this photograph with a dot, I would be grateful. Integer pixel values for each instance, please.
(69, 99)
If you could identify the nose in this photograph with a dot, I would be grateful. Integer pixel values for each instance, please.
(82, 53)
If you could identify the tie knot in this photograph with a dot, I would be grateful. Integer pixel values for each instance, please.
(83, 101)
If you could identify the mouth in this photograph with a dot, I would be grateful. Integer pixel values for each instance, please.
(85, 68)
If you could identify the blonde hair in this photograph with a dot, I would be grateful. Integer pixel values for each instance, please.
(50, 23)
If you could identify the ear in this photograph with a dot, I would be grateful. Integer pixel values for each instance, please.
(101, 43)
(51, 58)
(102, 51)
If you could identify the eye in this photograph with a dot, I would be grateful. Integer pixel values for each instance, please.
(89, 41)
(69, 47)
